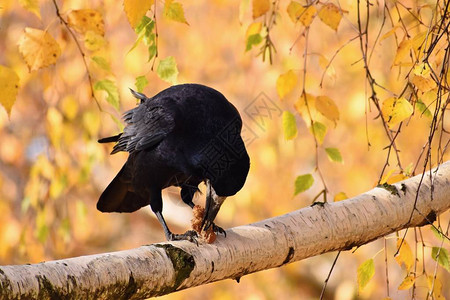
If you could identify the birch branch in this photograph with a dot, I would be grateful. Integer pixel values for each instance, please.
(163, 268)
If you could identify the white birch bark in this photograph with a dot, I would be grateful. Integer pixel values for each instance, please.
(163, 268)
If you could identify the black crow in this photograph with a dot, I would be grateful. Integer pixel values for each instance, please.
(185, 135)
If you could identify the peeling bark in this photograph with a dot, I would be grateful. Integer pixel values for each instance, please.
(166, 267)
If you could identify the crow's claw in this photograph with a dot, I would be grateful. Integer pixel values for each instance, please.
(219, 230)
(319, 203)
(190, 235)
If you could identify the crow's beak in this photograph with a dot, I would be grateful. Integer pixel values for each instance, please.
(212, 206)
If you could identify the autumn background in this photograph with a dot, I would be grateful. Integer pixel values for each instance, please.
(52, 170)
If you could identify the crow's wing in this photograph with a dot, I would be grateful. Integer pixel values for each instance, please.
(147, 125)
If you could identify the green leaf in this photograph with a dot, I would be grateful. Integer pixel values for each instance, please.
(110, 88)
(365, 273)
(289, 125)
(174, 11)
(302, 183)
(152, 50)
(318, 130)
(141, 83)
(167, 70)
(442, 259)
(253, 40)
(423, 109)
(146, 34)
(437, 233)
(334, 155)
(102, 63)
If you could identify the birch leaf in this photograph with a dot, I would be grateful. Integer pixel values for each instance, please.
(9, 85)
(136, 9)
(38, 48)
(84, 20)
(330, 15)
(260, 7)
(286, 83)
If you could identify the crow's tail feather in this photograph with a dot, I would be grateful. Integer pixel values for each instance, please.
(110, 139)
(118, 198)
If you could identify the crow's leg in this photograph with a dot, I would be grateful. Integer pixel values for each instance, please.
(156, 205)
(187, 193)
(189, 235)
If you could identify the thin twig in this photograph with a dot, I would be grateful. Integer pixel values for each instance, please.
(83, 55)
(322, 294)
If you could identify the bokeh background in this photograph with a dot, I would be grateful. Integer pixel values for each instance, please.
(52, 170)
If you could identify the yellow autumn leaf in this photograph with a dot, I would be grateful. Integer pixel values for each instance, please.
(298, 12)
(326, 106)
(436, 285)
(429, 97)
(54, 126)
(419, 42)
(306, 107)
(324, 63)
(386, 176)
(93, 41)
(292, 10)
(38, 48)
(448, 78)
(340, 196)
(395, 110)
(330, 15)
(405, 256)
(396, 178)
(174, 11)
(84, 20)
(9, 85)
(388, 34)
(253, 28)
(260, 7)
(69, 107)
(422, 69)
(286, 83)
(31, 6)
(402, 52)
(407, 283)
(136, 9)
(423, 83)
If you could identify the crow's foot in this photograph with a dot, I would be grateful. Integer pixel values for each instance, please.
(319, 203)
(219, 230)
(189, 235)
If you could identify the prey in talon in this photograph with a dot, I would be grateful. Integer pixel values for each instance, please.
(183, 136)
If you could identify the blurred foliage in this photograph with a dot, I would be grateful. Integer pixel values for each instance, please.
(348, 94)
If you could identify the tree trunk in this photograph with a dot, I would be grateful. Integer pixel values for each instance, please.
(163, 268)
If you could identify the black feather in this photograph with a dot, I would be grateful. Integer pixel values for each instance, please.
(110, 139)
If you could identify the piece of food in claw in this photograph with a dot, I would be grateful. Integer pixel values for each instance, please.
(209, 235)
